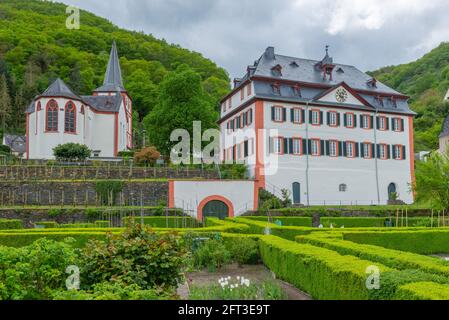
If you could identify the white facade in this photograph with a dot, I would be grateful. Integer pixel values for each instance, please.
(309, 160)
(193, 196)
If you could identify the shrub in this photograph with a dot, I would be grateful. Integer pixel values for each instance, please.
(53, 213)
(126, 154)
(35, 271)
(108, 190)
(423, 291)
(243, 250)
(92, 214)
(9, 224)
(137, 256)
(212, 254)
(71, 152)
(5, 149)
(233, 171)
(47, 224)
(147, 156)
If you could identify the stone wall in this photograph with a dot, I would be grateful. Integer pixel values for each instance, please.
(27, 173)
(80, 193)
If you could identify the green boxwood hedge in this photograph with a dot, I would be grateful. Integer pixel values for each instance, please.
(8, 224)
(349, 222)
(323, 273)
(286, 221)
(419, 241)
(423, 291)
(166, 222)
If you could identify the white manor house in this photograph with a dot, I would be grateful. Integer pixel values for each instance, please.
(102, 121)
(328, 133)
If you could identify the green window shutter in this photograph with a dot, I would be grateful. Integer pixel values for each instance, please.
(309, 145)
(328, 118)
(345, 120)
(244, 120)
(310, 116)
(272, 113)
(355, 121)
(303, 116)
(292, 115)
(357, 150)
(322, 146)
(344, 149)
(304, 147)
(377, 123)
(321, 117)
(378, 151)
(373, 151)
(284, 114)
(246, 149)
(402, 125)
(387, 121)
(340, 148)
(338, 119)
(286, 150)
(290, 145)
(389, 151)
(404, 152)
(328, 147)
(372, 119)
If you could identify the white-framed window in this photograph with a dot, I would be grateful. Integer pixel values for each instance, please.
(350, 149)
(278, 145)
(382, 151)
(333, 119)
(397, 124)
(367, 151)
(297, 115)
(366, 122)
(316, 117)
(278, 114)
(398, 152)
(382, 123)
(316, 147)
(350, 120)
(297, 146)
(333, 148)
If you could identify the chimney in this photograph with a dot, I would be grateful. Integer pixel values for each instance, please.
(237, 82)
(269, 53)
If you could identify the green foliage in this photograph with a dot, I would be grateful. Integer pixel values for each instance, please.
(9, 224)
(114, 290)
(108, 190)
(285, 221)
(165, 222)
(243, 250)
(423, 291)
(432, 180)
(268, 290)
(47, 224)
(233, 171)
(53, 213)
(147, 156)
(71, 152)
(137, 256)
(426, 81)
(349, 222)
(126, 154)
(320, 272)
(182, 101)
(4, 149)
(212, 254)
(33, 272)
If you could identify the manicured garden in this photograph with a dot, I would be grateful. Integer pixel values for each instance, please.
(154, 262)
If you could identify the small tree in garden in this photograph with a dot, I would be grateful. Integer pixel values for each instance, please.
(147, 156)
(432, 181)
(71, 152)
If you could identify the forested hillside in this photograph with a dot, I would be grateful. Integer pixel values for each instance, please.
(36, 47)
(426, 81)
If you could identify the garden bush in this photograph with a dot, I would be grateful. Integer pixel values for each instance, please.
(147, 156)
(243, 250)
(212, 254)
(350, 222)
(137, 256)
(10, 224)
(286, 221)
(33, 272)
(165, 222)
(71, 152)
(46, 225)
(320, 272)
(5, 149)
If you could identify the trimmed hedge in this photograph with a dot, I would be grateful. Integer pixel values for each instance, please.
(18, 240)
(420, 241)
(166, 222)
(392, 258)
(323, 273)
(10, 224)
(354, 222)
(423, 291)
(286, 221)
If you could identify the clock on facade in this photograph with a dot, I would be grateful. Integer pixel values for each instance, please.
(341, 95)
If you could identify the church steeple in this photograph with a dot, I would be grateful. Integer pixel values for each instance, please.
(113, 81)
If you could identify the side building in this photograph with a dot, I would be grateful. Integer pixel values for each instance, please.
(102, 121)
(326, 132)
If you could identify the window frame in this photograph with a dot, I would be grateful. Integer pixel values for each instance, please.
(299, 111)
(333, 113)
(279, 139)
(300, 142)
(401, 152)
(370, 150)
(318, 118)
(281, 113)
(383, 147)
(318, 141)
(385, 119)
(55, 108)
(73, 111)
(370, 125)
(399, 125)
(337, 148)
(354, 151)
(352, 115)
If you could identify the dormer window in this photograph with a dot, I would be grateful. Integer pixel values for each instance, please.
(379, 101)
(294, 64)
(277, 71)
(372, 83)
(340, 70)
(276, 87)
(296, 91)
(394, 103)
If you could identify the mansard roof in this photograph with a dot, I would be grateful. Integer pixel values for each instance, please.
(445, 130)
(113, 80)
(304, 70)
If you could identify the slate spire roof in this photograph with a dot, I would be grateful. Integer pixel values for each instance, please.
(445, 130)
(113, 80)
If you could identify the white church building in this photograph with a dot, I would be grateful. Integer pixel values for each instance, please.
(326, 132)
(102, 121)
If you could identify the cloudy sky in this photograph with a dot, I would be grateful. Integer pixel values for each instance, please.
(366, 33)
